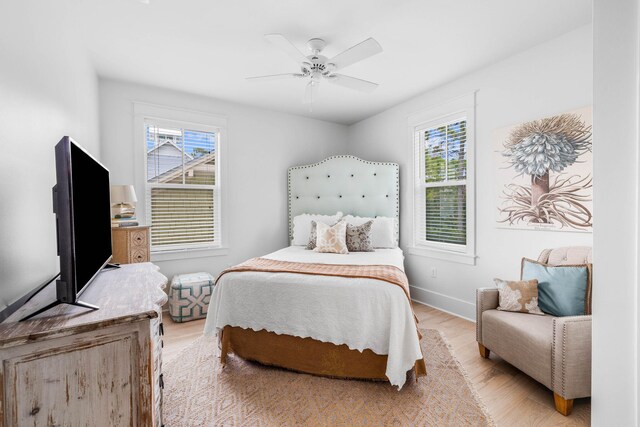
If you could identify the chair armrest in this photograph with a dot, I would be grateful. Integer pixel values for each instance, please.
(571, 356)
(486, 299)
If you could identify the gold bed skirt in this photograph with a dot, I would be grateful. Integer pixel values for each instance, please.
(306, 355)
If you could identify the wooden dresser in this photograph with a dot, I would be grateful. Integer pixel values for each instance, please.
(73, 367)
(130, 244)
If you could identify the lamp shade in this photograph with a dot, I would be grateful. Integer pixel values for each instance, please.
(123, 194)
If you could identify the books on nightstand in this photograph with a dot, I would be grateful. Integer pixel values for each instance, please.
(124, 222)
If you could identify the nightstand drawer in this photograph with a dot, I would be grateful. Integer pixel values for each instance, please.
(138, 238)
(130, 245)
(139, 255)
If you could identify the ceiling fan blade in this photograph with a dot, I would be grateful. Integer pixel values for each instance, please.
(311, 92)
(356, 53)
(287, 47)
(274, 77)
(352, 83)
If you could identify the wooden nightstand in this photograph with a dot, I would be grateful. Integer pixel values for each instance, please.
(130, 244)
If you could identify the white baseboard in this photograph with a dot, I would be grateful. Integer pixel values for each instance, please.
(446, 303)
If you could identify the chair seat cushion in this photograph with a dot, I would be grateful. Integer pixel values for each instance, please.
(523, 340)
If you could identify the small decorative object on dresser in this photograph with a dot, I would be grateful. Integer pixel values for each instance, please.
(130, 244)
(189, 296)
(124, 200)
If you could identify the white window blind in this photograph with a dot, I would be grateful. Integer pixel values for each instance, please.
(441, 184)
(182, 203)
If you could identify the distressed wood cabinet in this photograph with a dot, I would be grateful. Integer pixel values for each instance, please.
(72, 367)
(130, 244)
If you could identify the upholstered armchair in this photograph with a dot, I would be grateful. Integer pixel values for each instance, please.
(555, 351)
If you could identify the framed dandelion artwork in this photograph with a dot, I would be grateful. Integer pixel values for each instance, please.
(544, 173)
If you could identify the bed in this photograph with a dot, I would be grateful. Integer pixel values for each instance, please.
(349, 325)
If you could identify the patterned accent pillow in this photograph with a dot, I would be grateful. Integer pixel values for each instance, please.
(359, 237)
(332, 239)
(313, 236)
(519, 296)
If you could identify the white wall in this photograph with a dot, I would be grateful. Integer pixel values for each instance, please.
(48, 89)
(550, 78)
(261, 146)
(615, 296)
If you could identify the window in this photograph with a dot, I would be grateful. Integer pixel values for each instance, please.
(182, 185)
(443, 181)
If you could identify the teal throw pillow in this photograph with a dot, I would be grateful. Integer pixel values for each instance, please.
(563, 290)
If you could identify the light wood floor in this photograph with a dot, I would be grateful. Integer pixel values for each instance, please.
(513, 399)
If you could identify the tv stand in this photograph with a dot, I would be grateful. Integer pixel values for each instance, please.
(4, 314)
(110, 266)
(55, 303)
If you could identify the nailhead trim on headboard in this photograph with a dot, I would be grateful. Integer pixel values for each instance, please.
(328, 159)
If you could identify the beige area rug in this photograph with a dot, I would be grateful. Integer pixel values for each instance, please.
(199, 393)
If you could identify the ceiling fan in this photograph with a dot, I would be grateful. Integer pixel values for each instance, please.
(316, 67)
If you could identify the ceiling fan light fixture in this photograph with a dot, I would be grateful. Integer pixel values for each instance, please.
(316, 66)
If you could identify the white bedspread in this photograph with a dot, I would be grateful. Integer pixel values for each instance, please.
(361, 313)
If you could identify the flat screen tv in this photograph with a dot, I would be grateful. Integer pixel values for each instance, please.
(83, 215)
(81, 202)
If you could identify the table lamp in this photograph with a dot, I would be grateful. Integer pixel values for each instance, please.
(123, 199)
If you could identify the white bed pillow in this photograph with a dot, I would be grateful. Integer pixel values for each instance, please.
(302, 226)
(383, 230)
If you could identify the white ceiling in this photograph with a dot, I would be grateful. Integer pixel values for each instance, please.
(208, 47)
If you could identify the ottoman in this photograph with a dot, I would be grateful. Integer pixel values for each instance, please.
(189, 296)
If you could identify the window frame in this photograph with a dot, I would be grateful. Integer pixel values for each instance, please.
(190, 120)
(444, 114)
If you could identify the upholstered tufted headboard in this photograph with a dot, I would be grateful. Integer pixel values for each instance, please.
(344, 183)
